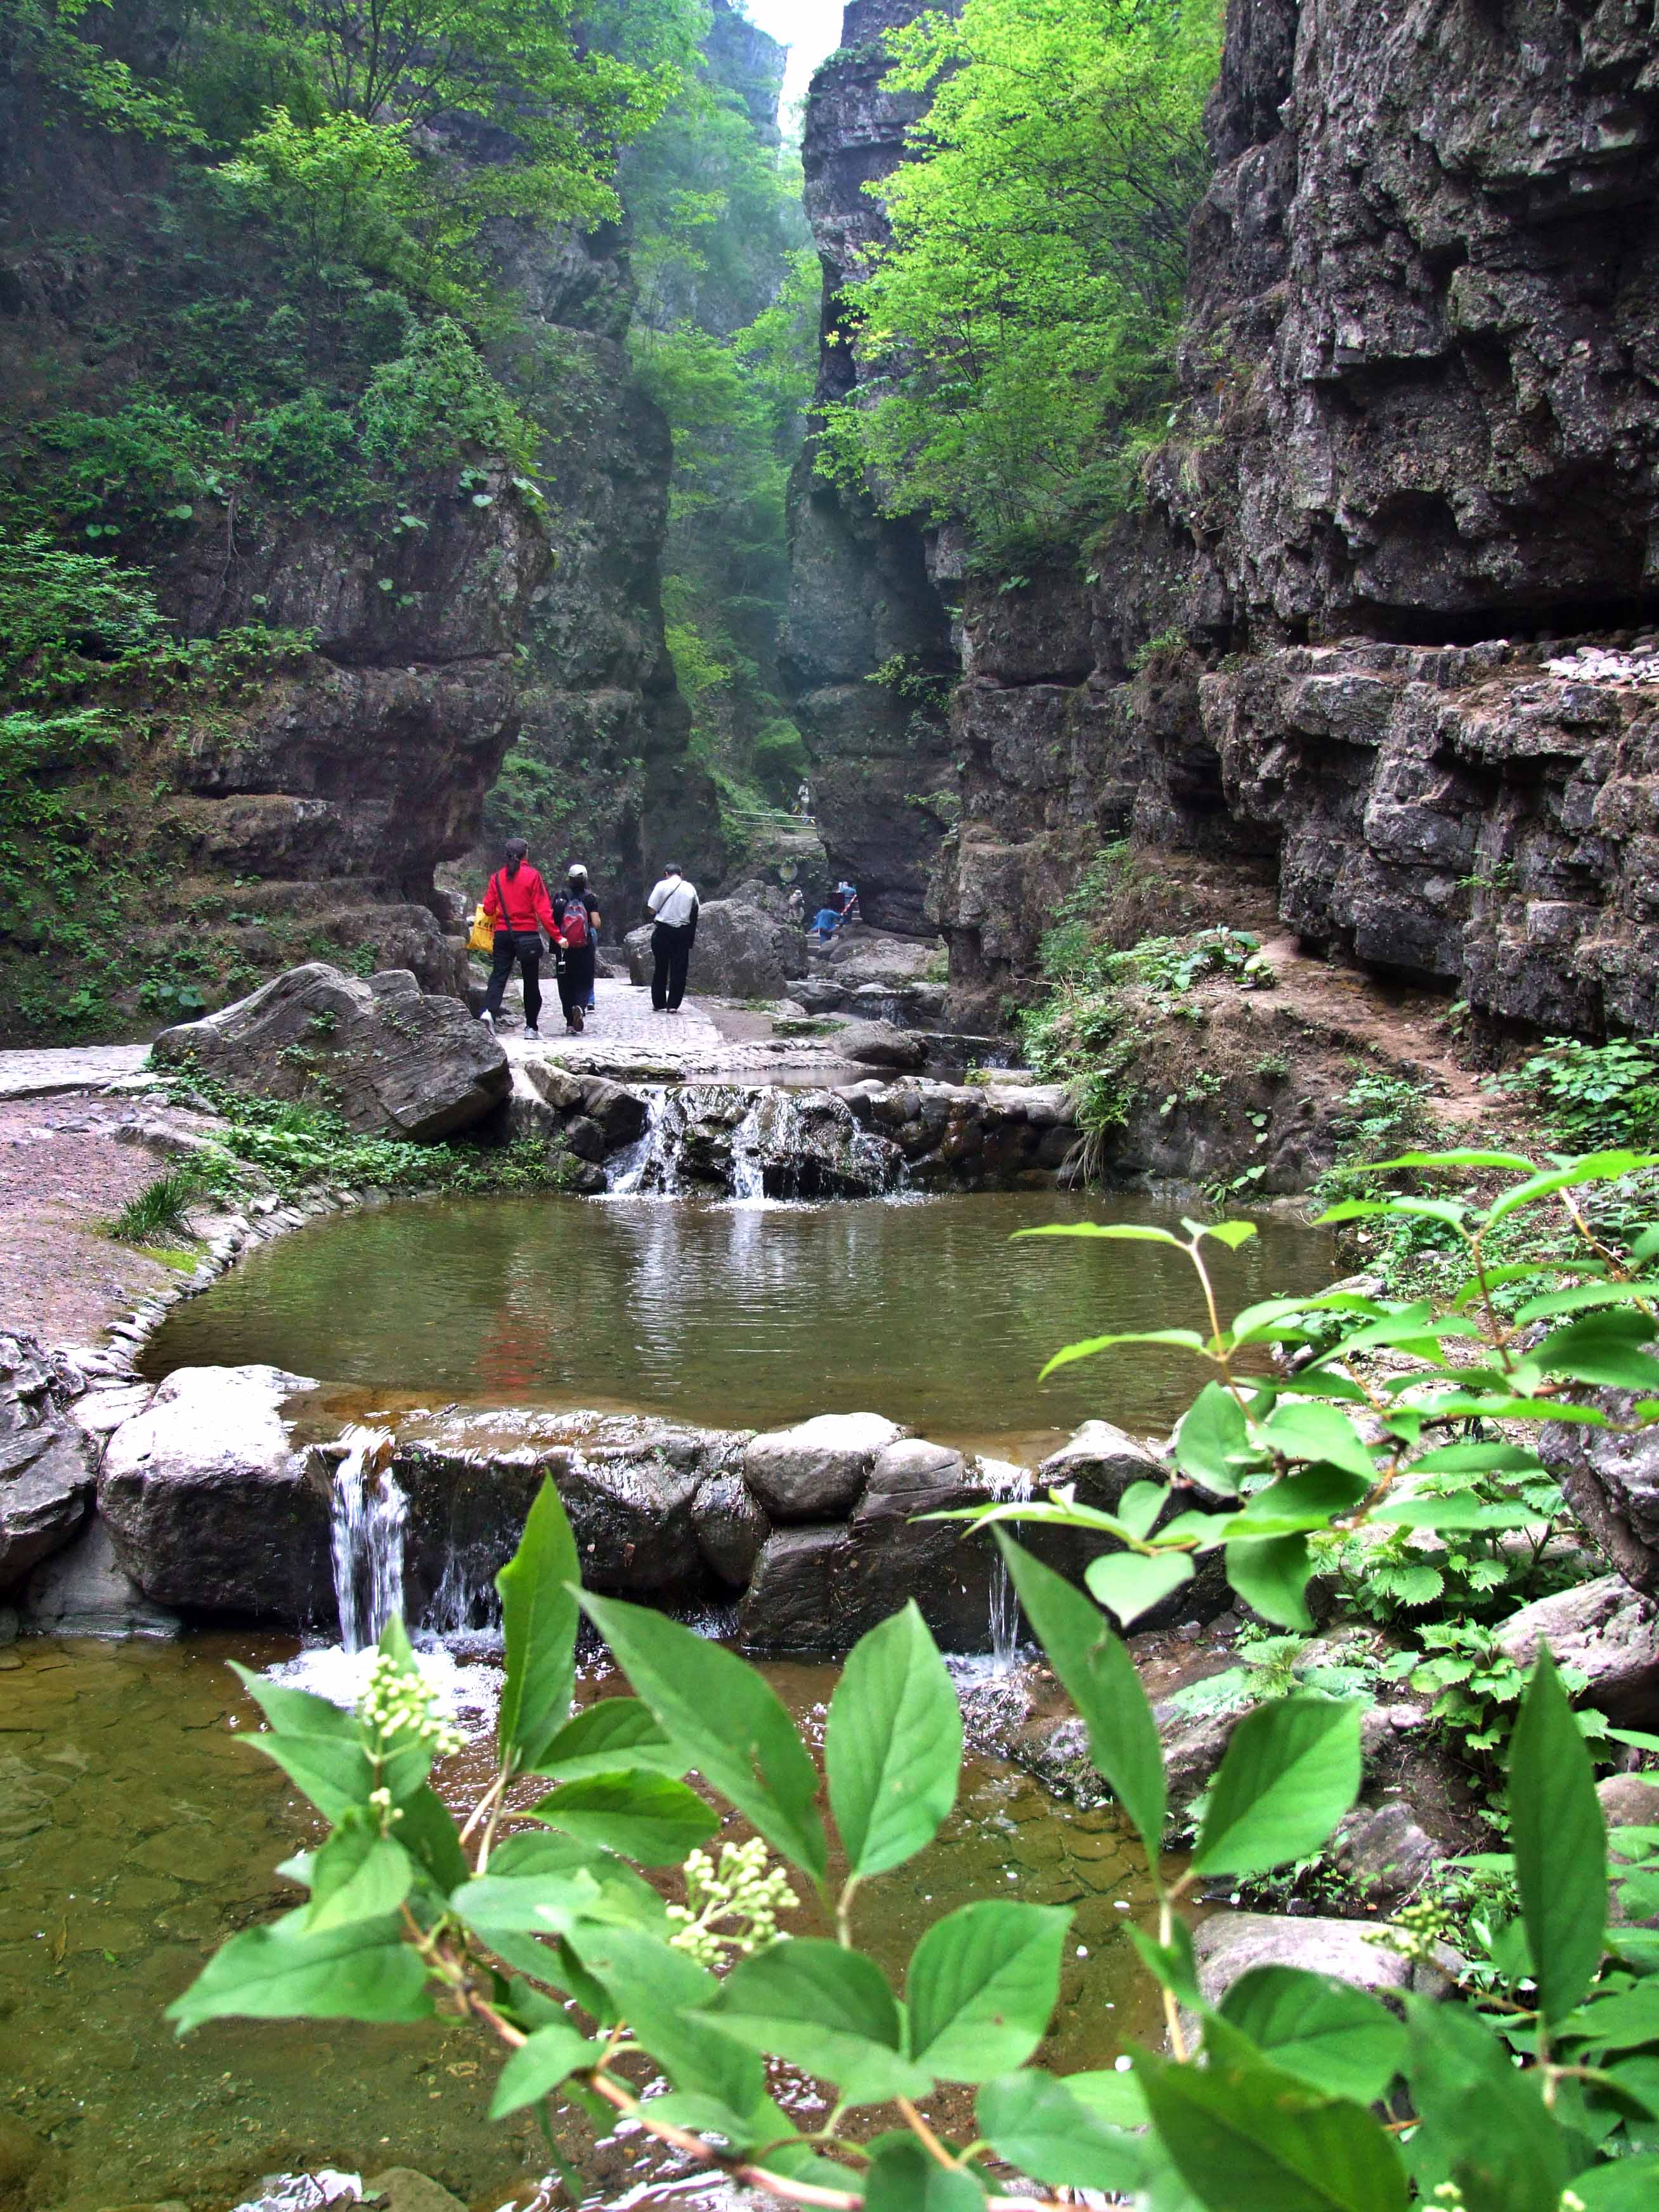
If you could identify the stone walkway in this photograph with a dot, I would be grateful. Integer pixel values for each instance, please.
(627, 1039)
(73, 1067)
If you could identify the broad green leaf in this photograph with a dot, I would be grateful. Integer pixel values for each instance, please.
(1291, 1771)
(1271, 1574)
(363, 1971)
(707, 2116)
(358, 1874)
(1605, 1348)
(1129, 1583)
(540, 1904)
(1111, 2096)
(1593, 1167)
(606, 1736)
(662, 1994)
(1232, 1234)
(1172, 1965)
(1460, 1159)
(1623, 2020)
(982, 1986)
(1559, 1842)
(904, 2177)
(1628, 2185)
(427, 1831)
(538, 1627)
(1211, 1444)
(893, 1748)
(1584, 1297)
(1249, 2138)
(727, 1720)
(623, 1894)
(1127, 1232)
(551, 2056)
(1484, 2129)
(826, 2010)
(1478, 1459)
(1036, 2123)
(317, 1744)
(1101, 1679)
(1300, 1430)
(1295, 1503)
(1139, 1506)
(645, 1816)
(1465, 1510)
(1187, 1339)
(1324, 2032)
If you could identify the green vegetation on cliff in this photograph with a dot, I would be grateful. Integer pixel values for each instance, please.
(268, 319)
(1018, 336)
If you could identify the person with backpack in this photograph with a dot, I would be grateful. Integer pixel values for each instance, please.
(576, 911)
(517, 903)
(673, 906)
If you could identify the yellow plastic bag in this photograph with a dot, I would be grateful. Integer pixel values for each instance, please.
(481, 936)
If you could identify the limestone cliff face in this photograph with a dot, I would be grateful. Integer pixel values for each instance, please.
(867, 592)
(310, 808)
(1419, 445)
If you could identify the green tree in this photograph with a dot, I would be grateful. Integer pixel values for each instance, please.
(1021, 324)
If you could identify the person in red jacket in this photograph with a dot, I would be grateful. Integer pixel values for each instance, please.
(517, 903)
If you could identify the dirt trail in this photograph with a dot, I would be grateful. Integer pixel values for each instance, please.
(1403, 1027)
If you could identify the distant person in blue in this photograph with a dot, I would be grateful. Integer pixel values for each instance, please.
(843, 907)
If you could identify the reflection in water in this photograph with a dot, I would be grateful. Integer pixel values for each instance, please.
(137, 1830)
(732, 1315)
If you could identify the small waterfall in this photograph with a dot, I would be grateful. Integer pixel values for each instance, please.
(647, 1164)
(748, 1169)
(367, 1536)
(1004, 1481)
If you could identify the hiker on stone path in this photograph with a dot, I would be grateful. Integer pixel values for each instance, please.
(674, 907)
(577, 913)
(517, 903)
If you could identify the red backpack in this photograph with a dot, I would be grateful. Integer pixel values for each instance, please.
(573, 920)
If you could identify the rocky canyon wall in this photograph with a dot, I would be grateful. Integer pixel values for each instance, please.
(868, 652)
(1415, 459)
(303, 806)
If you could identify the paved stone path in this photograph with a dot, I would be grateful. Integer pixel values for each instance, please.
(73, 1067)
(626, 1038)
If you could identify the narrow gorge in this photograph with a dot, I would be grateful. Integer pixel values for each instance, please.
(1009, 1558)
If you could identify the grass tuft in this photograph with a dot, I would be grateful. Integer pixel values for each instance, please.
(159, 1215)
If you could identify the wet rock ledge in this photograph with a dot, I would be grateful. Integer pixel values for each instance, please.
(211, 1503)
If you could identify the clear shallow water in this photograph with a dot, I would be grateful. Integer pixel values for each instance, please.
(137, 1831)
(734, 1315)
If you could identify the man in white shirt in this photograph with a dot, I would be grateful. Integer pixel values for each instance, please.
(673, 906)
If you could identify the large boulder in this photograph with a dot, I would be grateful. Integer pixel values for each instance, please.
(879, 1044)
(790, 1604)
(83, 1591)
(731, 1527)
(892, 1555)
(1609, 1633)
(1232, 1944)
(620, 1114)
(210, 1506)
(1612, 1483)
(636, 949)
(390, 1060)
(814, 1471)
(47, 1465)
(742, 952)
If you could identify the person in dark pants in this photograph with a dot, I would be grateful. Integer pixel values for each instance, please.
(517, 903)
(577, 913)
(673, 906)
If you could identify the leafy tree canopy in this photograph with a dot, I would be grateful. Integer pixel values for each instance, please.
(1021, 324)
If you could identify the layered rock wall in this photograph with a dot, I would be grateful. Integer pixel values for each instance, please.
(869, 650)
(1417, 448)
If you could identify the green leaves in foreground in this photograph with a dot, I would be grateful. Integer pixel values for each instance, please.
(1290, 1773)
(1560, 1841)
(361, 1971)
(893, 1750)
(538, 1627)
(726, 1719)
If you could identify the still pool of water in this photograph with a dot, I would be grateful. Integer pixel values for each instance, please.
(137, 1830)
(730, 1315)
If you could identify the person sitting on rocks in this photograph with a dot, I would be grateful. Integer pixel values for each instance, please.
(517, 903)
(674, 907)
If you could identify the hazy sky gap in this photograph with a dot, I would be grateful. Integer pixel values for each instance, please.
(810, 28)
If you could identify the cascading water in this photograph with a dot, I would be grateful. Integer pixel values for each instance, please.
(647, 1164)
(367, 1521)
(1004, 1481)
(757, 1144)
